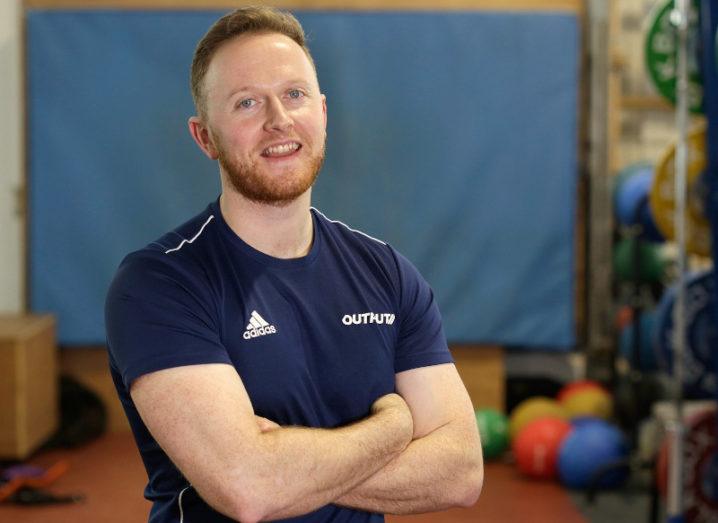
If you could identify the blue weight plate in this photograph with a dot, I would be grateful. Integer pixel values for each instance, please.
(701, 336)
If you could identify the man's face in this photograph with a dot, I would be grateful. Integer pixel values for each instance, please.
(266, 117)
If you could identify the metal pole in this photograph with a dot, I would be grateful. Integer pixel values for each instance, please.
(680, 19)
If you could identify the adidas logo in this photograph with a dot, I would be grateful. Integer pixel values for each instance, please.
(258, 326)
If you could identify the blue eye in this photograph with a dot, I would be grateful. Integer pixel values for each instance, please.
(295, 94)
(246, 104)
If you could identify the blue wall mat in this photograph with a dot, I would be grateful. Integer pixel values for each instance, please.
(451, 135)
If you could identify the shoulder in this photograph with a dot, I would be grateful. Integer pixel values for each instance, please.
(174, 259)
(397, 269)
(193, 235)
(341, 233)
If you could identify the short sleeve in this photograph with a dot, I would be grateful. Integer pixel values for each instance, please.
(421, 340)
(158, 316)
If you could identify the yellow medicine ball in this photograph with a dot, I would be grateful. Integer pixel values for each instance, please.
(589, 402)
(531, 409)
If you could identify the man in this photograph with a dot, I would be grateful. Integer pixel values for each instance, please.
(272, 363)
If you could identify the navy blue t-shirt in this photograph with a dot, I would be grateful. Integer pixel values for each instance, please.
(316, 340)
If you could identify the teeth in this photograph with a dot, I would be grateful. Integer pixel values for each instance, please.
(281, 149)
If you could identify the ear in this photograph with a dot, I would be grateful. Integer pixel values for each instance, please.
(201, 136)
(324, 110)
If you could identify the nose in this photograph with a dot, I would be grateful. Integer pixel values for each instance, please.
(278, 118)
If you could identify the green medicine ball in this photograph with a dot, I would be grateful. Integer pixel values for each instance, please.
(652, 266)
(493, 427)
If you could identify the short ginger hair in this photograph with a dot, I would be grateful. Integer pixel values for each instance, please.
(245, 20)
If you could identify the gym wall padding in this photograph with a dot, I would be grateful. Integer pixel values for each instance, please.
(453, 136)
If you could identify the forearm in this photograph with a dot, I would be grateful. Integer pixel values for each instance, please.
(302, 469)
(440, 470)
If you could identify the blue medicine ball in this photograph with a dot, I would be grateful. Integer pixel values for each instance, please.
(630, 199)
(650, 229)
(582, 420)
(647, 349)
(591, 445)
(631, 191)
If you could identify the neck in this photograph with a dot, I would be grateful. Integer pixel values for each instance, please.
(281, 232)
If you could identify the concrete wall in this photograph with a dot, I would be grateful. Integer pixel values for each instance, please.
(12, 166)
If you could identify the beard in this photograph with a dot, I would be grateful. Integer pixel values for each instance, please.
(276, 190)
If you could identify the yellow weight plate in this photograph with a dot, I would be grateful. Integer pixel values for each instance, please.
(662, 196)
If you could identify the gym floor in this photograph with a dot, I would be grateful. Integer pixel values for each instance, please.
(109, 475)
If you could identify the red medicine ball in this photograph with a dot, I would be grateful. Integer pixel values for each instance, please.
(536, 446)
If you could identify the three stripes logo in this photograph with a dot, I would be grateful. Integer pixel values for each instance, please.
(257, 326)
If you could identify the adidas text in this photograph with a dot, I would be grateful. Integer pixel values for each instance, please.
(368, 317)
(253, 333)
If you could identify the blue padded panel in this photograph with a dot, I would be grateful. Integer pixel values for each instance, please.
(451, 135)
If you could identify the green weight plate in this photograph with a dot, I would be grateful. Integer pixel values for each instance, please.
(661, 55)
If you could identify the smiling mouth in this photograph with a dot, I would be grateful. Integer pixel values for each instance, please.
(281, 150)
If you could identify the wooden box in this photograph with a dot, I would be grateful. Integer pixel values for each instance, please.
(28, 383)
(482, 369)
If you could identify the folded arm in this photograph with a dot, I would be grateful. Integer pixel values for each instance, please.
(442, 467)
(203, 419)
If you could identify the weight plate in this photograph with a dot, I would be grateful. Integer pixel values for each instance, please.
(660, 51)
(700, 496)
(700, 469)
(701, 334)
(662, 195)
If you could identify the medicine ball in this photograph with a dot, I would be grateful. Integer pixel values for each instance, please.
(591, 446)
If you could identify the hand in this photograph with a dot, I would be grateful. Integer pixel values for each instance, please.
(388, 401)
(395, 406)
(266, 425)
